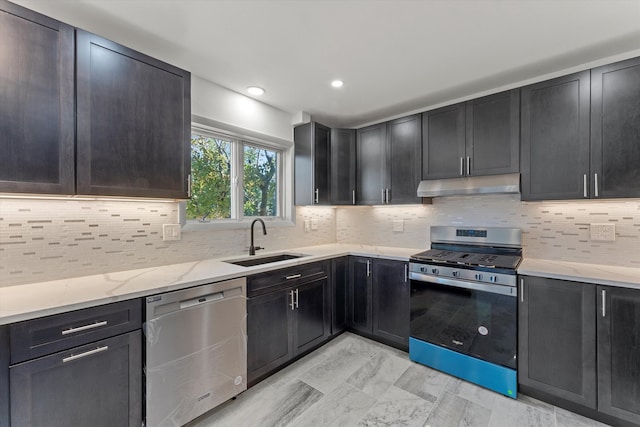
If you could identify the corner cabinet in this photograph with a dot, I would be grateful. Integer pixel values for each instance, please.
(37, 107)
(371, 164)
(133, 122)
(615, 129)
(479, 137)
(343, 166)
(312, 164)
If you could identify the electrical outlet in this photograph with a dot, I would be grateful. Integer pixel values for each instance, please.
(314, 224)
(307, 225)
(398, 225)
(171, 232)
(603, 232)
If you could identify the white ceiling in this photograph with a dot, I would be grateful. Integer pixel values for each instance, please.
(394, 56)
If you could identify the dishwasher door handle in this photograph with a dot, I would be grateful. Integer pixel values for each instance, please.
(201, 300)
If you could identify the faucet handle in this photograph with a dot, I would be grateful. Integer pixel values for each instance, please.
(257, 248)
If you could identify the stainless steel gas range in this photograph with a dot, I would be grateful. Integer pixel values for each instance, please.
(464, 305)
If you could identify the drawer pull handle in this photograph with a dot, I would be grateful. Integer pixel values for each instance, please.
(85, 354)
(84, 328)
(293, 276)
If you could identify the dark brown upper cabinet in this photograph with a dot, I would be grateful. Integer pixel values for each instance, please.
(555, 138)
(312, 164)
(477, 137)
(615, 130)
(343, 166)
(133, 122)
(388, 162)
(37, 127)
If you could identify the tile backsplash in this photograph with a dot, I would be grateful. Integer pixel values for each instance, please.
(551, 230)
(54, 239)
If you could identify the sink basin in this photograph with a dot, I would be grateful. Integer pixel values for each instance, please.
(250, 262)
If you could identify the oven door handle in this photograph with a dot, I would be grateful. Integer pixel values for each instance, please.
(509, 291)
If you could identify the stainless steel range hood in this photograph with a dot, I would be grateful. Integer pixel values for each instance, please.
(492, 184)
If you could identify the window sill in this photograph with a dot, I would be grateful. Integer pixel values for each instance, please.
(235, 225)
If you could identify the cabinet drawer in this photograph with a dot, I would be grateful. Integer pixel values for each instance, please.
(285, 277)
(45, 335)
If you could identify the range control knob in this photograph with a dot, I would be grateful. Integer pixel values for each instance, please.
(493, 279)
(456, 274)
(478, 277)
(423, 269)
(435, 271)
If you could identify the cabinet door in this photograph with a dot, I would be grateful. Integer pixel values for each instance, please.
(493, 134)
(37, 104)
(343, 166)
(404, 154)
(618, 317)
(339, 288)
(269, 319)
(4, 375)
(133, 122)
(371, 165)
(556, 336)
(555, 138)
(311, 323)
(360, 295)
(443, 142)
(615, 129)
(391, 310)
(322, 164)
(312, 164)
(99, 384)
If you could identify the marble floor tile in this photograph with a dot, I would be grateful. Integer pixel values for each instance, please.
(296, 369)
(455, 411)
(333, 370)
(397, 407)
(342, 408)
(472, 392)
(423, 381)
(363, 346)
(379, 373)
(569, 419)
(508, 412)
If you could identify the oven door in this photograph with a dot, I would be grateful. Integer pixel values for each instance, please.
(472, 318)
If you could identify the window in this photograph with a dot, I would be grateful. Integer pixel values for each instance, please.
(235, 179)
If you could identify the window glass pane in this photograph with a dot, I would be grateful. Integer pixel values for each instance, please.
(260, 181)
(211, 178)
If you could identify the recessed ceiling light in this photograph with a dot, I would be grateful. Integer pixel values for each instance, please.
(255, 90)
(337, 83)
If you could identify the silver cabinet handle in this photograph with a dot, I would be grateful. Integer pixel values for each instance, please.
(297, 298)
(584, 185)
(317, 199)
(383, 196)
(595, 179)
(368, 268)
(353, 196)
(406, 273)
(292, 305)
(521, 290)
(189, 185)
(293, 276)
(468, 165)
(84, 328)
(85, 354)
(461, 165)
(604, 303)
(386, 192)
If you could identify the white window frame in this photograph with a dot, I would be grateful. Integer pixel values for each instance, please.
(286, 208)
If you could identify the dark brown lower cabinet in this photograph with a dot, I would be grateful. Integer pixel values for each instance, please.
(618, 315)
(286, 322)
(579, 347)
(379, 300)
(339, 290)
(98, 385)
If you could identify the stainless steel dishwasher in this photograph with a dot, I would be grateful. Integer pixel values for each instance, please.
(196, 351)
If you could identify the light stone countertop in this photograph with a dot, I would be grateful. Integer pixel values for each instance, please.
(24, 302)
(627, 277)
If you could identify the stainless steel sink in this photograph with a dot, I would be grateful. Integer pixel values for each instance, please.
(253, 261)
